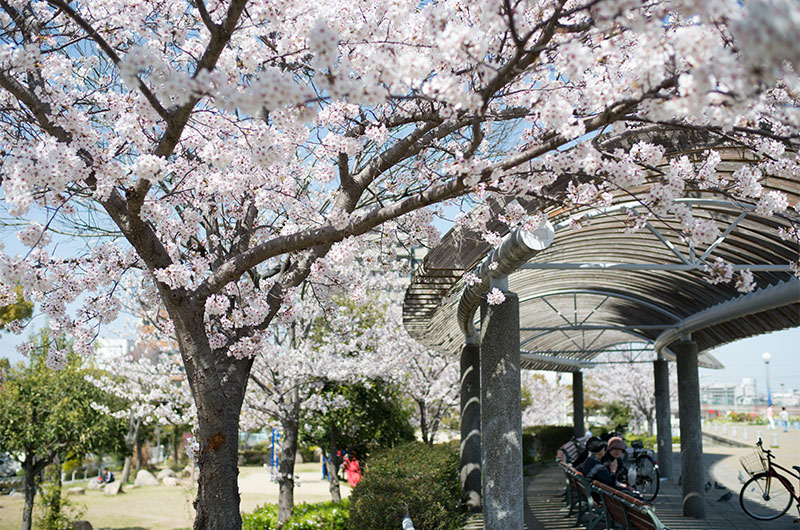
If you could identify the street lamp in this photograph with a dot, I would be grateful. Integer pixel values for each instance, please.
(766, 357)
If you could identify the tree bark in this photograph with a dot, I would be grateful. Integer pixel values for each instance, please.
(32, 467)
(30, 493)
(217, 502)
(218, 385)
(139, 444)
(333, 467)
(175, 444)
(130, 443)
(423, 423)
(286, 458)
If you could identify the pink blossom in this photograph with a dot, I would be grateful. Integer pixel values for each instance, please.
(495, 297)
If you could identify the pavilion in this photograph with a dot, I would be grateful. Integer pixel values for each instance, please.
(580, 285)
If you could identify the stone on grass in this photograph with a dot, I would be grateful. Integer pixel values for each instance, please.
(170, 481)
(165, 473)
(81, 525)
(145, 478)
(94, 484)
(187, 471)
(113, 488)
(77, 490)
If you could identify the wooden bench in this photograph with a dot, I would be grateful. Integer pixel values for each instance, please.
(584, 500)
(625, 511)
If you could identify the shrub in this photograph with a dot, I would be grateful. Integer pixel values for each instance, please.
(327, 515)
(416, 476)
(547, 439)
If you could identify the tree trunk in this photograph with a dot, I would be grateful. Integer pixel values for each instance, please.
(290, 423)
(217, 502)
(126, 472)
(139, 444)
(30, 492)
(175, 444)
(333, 467)
(32, 467)
(423, 424)
(130, 443)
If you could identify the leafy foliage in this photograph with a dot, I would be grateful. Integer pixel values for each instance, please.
(371, 416)
(20, 310)
(46, 413)
(546, 439)
(414, 476)
(328, 515)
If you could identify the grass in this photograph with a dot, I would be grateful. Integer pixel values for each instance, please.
(156, 508)
(168, 508)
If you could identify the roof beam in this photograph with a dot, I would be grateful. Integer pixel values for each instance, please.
(761, 267)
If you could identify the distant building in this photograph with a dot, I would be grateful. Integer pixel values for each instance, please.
(109, 349)
(718, 394)
(746, 392)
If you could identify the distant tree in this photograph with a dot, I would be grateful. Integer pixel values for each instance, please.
(44, 414)
(361, 417)
(14, 309)
(141, 393)
(544, 402)
(627, 380)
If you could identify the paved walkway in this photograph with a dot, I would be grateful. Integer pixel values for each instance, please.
(544, 501)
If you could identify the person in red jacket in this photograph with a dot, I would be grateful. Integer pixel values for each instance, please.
(352, 470)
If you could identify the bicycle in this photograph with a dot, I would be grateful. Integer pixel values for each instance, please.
(643, 474)
(768, 494)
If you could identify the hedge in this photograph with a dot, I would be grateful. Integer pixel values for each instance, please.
(327, 515)
(423, 479)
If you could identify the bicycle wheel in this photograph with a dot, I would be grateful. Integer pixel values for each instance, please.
(647, 479)
(764, 497)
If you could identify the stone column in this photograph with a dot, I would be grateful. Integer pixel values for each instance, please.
(501, 416)
(663, 422)
(691, 435)
(470, 464)
(577, 404)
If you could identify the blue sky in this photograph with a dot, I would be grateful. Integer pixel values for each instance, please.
(743, 359)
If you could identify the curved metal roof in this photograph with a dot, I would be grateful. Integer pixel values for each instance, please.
(598, 286)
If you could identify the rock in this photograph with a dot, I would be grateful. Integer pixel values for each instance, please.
(145, 478)
(298, 458)
(17, 494)
(94, 484)
(81, 525)
(113, 488)
(170, 481)
(317, 455)
(187, 471)
(165, 473)
(76, 491)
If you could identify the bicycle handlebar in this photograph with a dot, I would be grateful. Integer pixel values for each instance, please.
(760, 445)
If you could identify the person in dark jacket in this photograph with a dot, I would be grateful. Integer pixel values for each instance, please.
(593, 468)
(578, 462)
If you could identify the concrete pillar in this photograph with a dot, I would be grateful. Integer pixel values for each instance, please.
(577, 404)
(470, 464)
(691, 434)
(663, 422)
(501, 416)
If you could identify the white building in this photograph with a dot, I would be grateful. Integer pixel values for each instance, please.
(107, 349)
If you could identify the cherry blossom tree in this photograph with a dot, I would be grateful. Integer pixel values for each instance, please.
(545, 401)
(429, 378)
(148, 392)
(341, 344)
(627, 377)
(226, 151)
